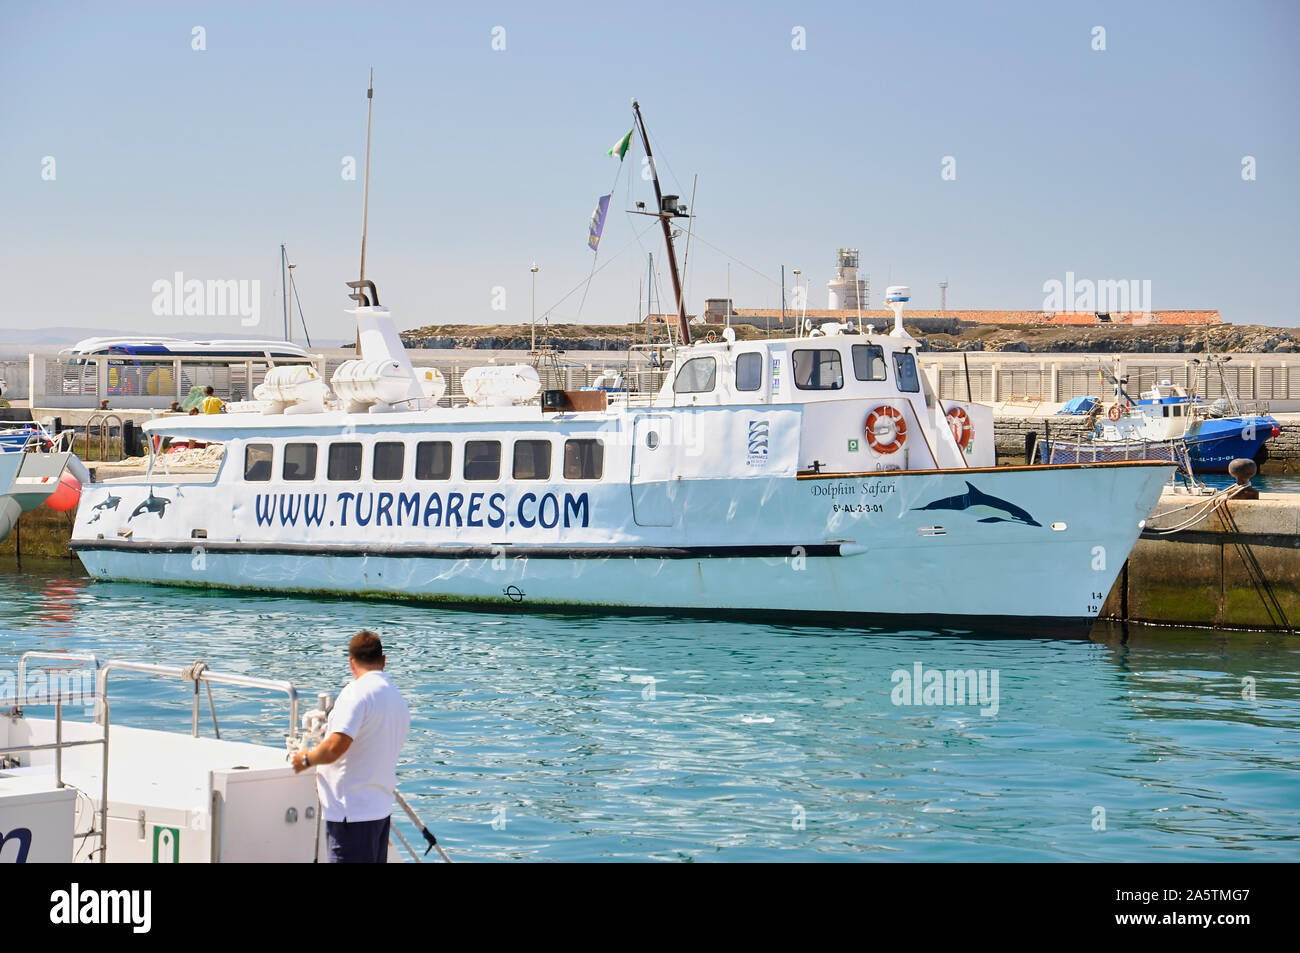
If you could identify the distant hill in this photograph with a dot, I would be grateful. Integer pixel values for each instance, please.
(60, 336)
(932, 333)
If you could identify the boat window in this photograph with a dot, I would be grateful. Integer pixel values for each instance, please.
(868, 362)
(345, 461)
(390, 460)
(532, 460)
(482, 459)
(299, 461)
(433, 460)
(584, 459)
(749, 371)
(905, 372)
(697, 376)
(257, 462)
(818, 370)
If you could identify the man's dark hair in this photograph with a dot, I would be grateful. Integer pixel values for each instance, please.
(211, 390)
(366, 648)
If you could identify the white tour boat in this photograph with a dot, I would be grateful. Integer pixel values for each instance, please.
(817, 475)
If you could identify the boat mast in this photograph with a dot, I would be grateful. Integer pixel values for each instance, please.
(649, 293)
(666, 212)
(284, 288)
(364, 292)
(365, 200)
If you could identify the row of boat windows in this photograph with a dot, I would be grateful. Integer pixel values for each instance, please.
(814, 369)
(584, 459)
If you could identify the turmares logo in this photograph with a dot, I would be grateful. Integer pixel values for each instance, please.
(759, 432)
(103, 907)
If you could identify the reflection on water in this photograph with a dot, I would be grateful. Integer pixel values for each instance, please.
(573, 737)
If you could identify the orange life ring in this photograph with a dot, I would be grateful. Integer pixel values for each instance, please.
(886, 429)
(962, 429)
(1114, 412)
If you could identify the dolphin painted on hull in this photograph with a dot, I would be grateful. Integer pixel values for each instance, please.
(150, 504)
(110, 503)
(994, 510)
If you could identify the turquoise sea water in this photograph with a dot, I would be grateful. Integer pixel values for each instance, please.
(647, 738)
(1272, 481)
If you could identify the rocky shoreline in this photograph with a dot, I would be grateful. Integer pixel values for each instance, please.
(964, 336)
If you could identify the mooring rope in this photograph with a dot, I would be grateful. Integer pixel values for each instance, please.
(1207, 506)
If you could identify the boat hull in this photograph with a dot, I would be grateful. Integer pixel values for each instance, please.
(1213, 444)
(999, 543)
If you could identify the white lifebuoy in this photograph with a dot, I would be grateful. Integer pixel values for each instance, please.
(885, 429)
(963, 431)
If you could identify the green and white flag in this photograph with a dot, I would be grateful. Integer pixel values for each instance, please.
(620, 148)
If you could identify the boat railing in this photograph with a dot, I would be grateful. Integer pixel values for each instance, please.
(200, 674)
(104, 425)
(1087, 451)
(41, 440)
(58, 699)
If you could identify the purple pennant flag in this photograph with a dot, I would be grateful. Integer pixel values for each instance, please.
(598, 221)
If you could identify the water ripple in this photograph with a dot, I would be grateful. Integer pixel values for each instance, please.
(575, 737)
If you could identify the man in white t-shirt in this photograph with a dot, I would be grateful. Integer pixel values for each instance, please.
(357, 762)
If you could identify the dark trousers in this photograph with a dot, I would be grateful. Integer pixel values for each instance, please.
(357, 842)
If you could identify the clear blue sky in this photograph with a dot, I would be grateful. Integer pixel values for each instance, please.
(1119, 164)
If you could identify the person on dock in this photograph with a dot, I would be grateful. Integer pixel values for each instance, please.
(357, 761)
(212, 404)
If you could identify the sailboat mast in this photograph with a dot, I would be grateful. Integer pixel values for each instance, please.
(365, 201)
(284, 287)
(649, 293)
(665, 217)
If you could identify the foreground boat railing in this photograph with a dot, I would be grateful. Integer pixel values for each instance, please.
(58, 699)
(200, 673)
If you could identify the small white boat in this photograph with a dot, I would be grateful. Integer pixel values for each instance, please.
(37, 466)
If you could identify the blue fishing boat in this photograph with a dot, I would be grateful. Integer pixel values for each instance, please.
(1170, 423)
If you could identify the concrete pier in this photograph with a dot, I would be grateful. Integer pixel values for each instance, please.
(1238, 568)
